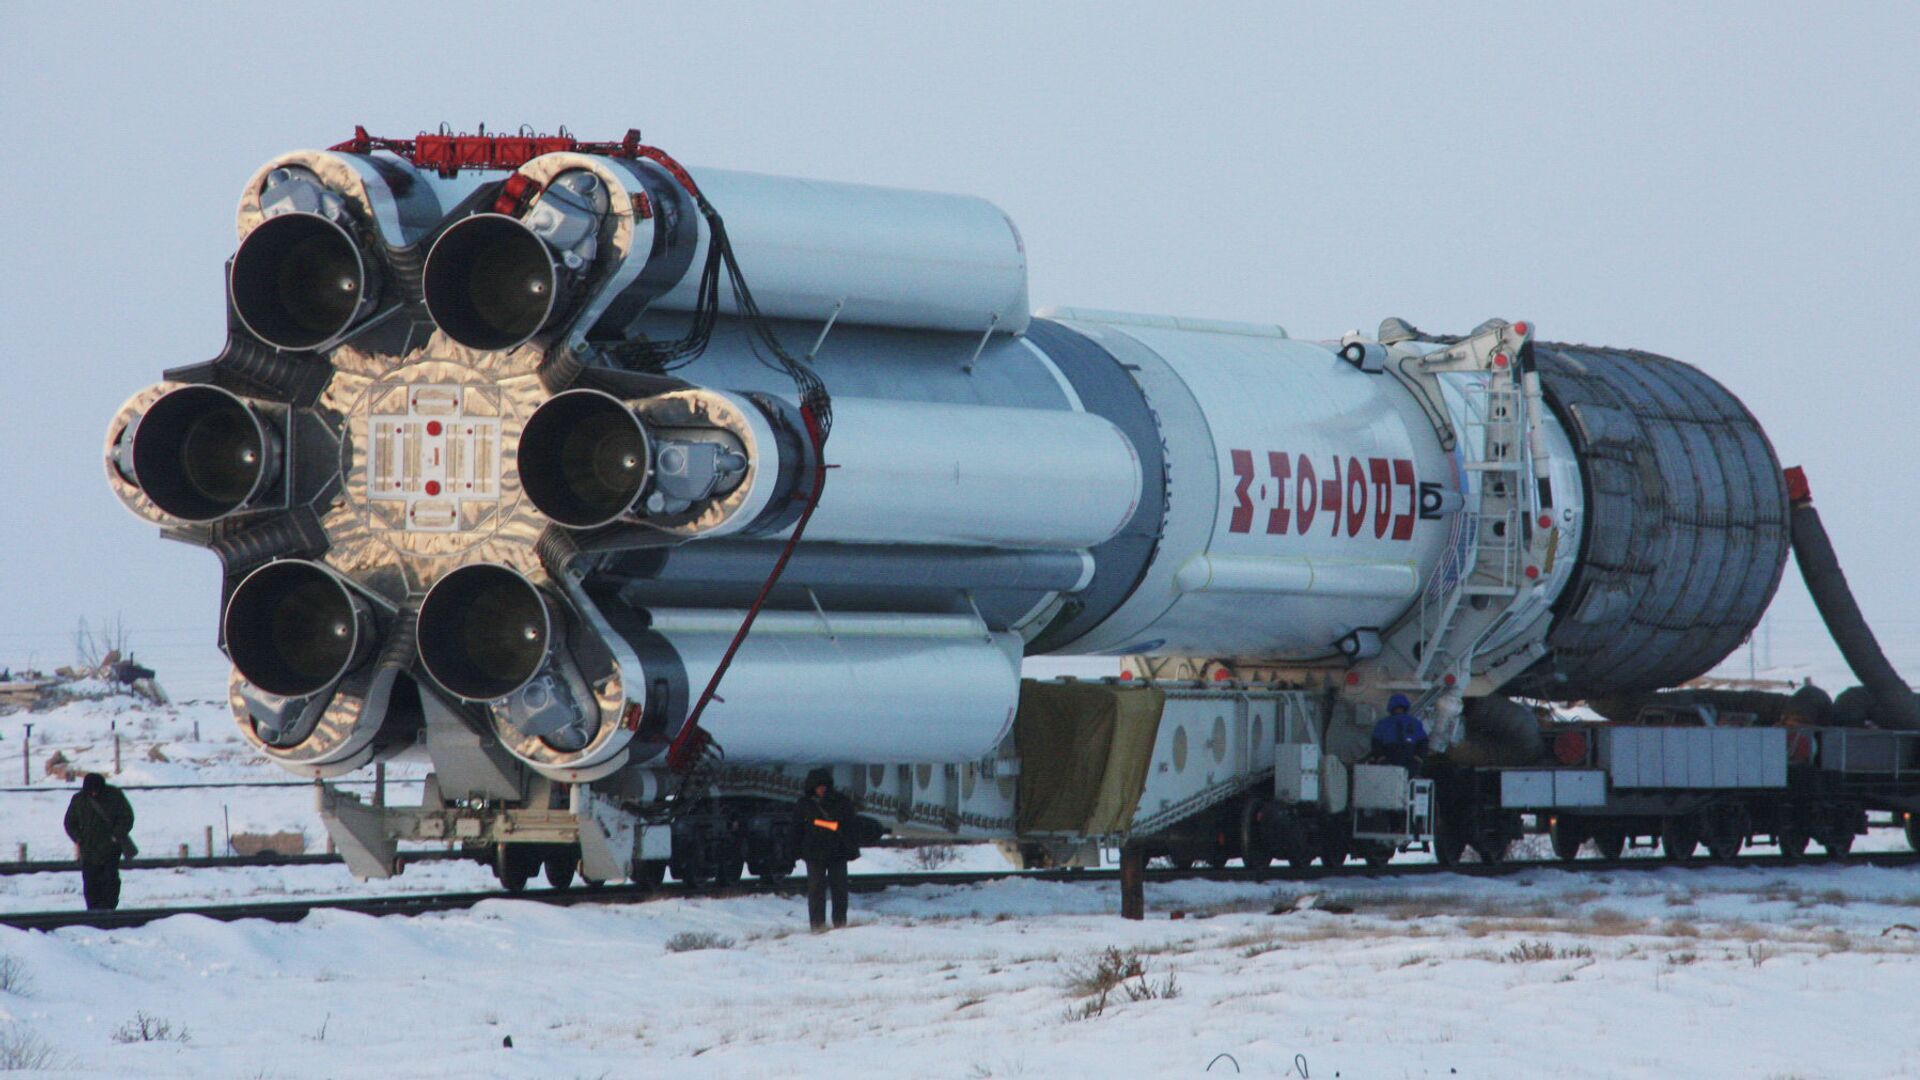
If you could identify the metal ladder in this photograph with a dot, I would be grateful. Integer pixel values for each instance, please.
(1485, 555)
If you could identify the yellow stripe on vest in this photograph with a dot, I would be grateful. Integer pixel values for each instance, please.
(821, 823)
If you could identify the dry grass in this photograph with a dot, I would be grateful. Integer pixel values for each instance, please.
(1531, 952)
(697, 940)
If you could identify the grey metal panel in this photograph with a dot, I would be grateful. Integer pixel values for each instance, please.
(1750, 761)
(1653, 756)
(1379, 787)
(1729, 746)
(1686, 524)
(1671, 765)
(1618, 758)
(1773, 762)
(1526, 787)
(1579, 787)
(1699, 743)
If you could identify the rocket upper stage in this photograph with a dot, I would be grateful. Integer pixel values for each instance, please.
(509, 452)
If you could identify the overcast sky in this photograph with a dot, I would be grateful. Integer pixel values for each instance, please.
(1734, 186)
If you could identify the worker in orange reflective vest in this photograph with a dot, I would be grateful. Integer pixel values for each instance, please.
(824, 833)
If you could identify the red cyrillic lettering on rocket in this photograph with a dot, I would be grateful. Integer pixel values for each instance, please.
(1242, 520)
(1356, 496)
(1281, 466)
(1306, 494)
(1330, 496)
(1379, 470)
(1403, 479)
(1349, 493)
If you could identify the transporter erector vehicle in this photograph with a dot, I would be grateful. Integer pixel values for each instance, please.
(625, 493)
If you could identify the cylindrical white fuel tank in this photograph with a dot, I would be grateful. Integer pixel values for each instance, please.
(923, 473)
(856, 688)
(1293, 492)
(884, 256)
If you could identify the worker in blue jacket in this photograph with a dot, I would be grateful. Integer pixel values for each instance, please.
(1400, 738)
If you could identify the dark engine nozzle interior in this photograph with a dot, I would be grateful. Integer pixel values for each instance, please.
(292, 627)
(585, 459)
(299, 281)
(490, 283)
(484, 632)
(200, 453)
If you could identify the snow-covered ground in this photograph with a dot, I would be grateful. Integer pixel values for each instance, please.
(1714, 973)
(1671, 973)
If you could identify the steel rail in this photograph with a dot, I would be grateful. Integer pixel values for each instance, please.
(429, 903)
(215, 862)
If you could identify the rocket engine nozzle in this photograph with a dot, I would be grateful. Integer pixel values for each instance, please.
(491, 283)
(485, 631)
(585, 458)
(201, 453)
(300, 281)
(292, 628)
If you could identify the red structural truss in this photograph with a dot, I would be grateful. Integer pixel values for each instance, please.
(447, 153)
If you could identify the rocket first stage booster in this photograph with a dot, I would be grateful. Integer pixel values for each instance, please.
(498, 458)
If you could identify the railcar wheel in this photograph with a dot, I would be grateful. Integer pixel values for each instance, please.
(1792, 841)
(515, 865)
(1610, 843)
(1566, 838)
(1913, 832)
(1255, 852)
(1679, 836)
(1377, 855)
(560, 870)
(775, 873)
(1491, 852)
(1334, 849)
(729, 871)
(651, 874)
(589, 882)
(1449, 847)
(1837, 843)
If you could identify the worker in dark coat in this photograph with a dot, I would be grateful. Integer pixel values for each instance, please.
(100, 822)
(1400, 738)
(824, 828)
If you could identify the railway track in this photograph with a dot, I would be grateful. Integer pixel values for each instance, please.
(428, 903)
(212, 862)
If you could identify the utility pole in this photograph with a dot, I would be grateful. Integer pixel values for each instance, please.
(26, 761)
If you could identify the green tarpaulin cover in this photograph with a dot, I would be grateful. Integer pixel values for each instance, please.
(1084, 751)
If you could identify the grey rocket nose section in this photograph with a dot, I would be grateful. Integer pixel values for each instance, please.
(1687, 524)
(491, 283)
(299, 281)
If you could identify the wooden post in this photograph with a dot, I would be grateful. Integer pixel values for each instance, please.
(26, 761)
(23, 852)
(209, 841)
(116, 748)
(185, 851)
(1133, 886)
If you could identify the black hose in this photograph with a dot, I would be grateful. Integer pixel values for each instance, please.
(1894, 702)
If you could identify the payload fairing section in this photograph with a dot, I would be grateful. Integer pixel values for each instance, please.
(511, 434)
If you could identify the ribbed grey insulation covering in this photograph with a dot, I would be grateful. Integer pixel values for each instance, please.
(1686, 524)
